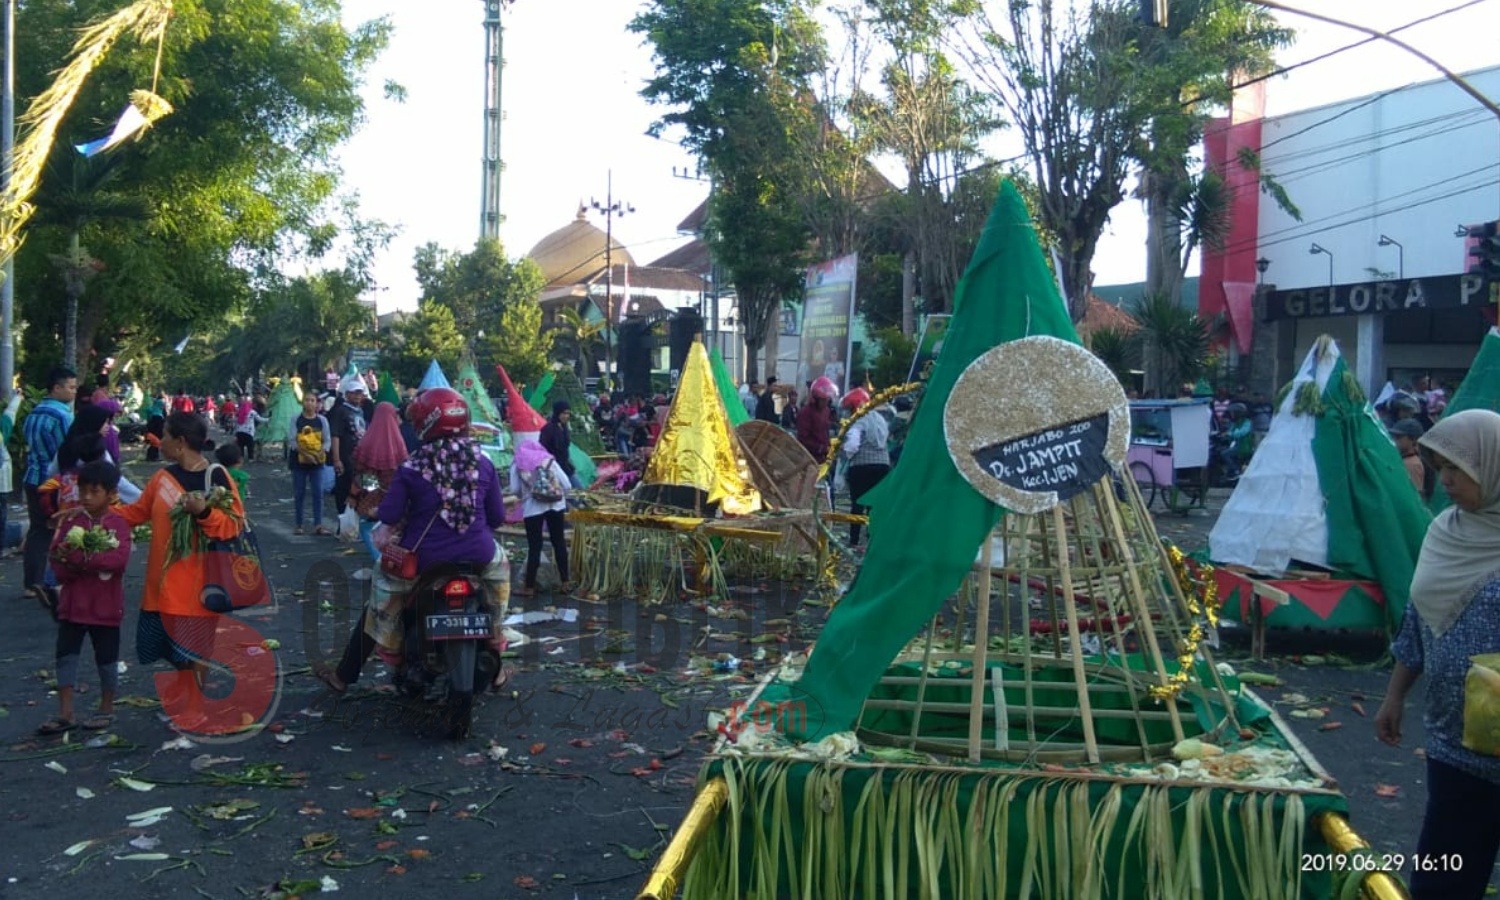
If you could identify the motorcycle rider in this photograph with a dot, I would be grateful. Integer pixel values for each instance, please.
(447, 499)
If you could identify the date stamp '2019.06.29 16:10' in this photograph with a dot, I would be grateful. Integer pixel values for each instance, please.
(1372, 861)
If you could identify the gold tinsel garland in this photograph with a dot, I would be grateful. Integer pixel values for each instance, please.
(1201, 594)
(828, 577)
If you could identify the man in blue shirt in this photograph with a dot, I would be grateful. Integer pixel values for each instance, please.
(44, 429)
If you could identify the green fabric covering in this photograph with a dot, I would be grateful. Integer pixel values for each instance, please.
(926, 520)
(1480, 390)
(472, 388)
(802, 829)
(386, 393)
(733, 405)
(282, 409)
(539, 393)
(1376, 519)
(1051, 687)
(566, 386)
(583, 465)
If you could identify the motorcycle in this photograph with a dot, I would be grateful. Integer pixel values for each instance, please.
(447, 643)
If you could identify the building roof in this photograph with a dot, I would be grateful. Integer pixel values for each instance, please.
(576, 252)
(1124, 295)
(692, 257)
(1103, 314)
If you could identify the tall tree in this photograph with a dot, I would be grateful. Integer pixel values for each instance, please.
(237, 182)
(1195, 60)
(932, 121)
(430, 334)
(520, 343)
(478, 285)
(1086, 82)
(737, 75)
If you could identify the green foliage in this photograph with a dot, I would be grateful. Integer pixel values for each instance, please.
(476, 286)
(1120, 351)
(416, 341)
(233, 185)
(520, 343)
(1175, 342)
(735, 75)
(893, 363)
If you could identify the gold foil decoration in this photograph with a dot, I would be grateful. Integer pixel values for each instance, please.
(697, 447)
(666, 877)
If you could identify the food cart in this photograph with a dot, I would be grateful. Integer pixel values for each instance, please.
(1169, 454)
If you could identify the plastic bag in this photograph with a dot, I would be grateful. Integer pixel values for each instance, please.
(1482, 705)
(349, 525)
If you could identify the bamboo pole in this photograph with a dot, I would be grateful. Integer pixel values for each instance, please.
(981, 646)
(1138, 597)
(1070, 608)
(1111, 610)
(666, 877)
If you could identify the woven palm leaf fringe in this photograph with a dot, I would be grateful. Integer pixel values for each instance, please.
(908, 834)
(650, 565)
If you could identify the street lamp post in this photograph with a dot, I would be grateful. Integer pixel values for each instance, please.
(611, 208)
(1400, 254)
(1261, 265)
(1315, 249)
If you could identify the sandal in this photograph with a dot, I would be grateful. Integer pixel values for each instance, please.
(524, 591)
(46, 598)
(330, 679)
(98, 722)
(322, 531)
(502, 678)
(54, 726)
(298, 530)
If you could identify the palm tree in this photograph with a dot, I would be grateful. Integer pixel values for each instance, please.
(86, 194)
(1175, 342)
(581, 341)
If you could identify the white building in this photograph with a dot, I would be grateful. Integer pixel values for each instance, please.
(1384, 185)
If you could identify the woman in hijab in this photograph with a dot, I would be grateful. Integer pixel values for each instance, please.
(537, 511)
(1454, 614)
(447, 500)
(379, 454)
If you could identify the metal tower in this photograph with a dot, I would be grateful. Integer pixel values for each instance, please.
(494, 63)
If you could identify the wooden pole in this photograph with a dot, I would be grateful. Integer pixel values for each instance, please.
(981, 647)
(1070, 607)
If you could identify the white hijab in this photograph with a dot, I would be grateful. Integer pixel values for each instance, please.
(1461, 552)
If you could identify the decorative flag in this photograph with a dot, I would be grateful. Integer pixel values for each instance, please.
(182, 344)
(625, 299)
(131, 122)
(926, 521)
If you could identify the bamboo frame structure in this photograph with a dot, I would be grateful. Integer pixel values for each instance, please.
(1093, 577)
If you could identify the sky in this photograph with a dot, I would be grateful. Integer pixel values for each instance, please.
(575, 124)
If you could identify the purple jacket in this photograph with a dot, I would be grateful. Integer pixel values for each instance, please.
(412, 500)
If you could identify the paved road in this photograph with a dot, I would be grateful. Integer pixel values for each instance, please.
(569, 785)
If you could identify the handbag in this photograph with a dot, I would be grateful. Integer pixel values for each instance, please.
(233, 577)
(1482, 705)
(399, 562)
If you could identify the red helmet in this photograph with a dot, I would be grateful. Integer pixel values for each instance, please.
(825, 388)
(855, 399)
(438, 413)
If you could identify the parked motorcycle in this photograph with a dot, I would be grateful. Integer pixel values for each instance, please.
(447, 643)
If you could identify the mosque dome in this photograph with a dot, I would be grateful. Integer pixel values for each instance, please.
(575, 251)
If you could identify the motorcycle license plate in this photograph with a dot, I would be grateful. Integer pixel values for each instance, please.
(457, 627)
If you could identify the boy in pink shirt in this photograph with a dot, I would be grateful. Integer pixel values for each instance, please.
(90, 551)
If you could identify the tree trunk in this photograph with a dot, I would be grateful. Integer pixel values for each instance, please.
(1079, 282)
(1164, 275)
(89, 318)
(73, 278)
(773, 343)
(908, 293)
